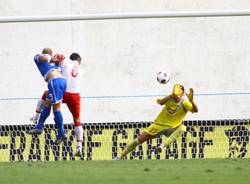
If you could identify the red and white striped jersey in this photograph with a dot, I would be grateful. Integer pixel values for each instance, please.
(72, 72)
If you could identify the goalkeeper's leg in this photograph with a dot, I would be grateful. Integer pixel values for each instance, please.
(177, 132)
(142, 138)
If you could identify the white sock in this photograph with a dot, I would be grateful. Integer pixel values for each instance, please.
(36, 117)
(79, 136)
(40, 106)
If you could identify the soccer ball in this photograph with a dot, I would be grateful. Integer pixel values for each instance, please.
(163, 77)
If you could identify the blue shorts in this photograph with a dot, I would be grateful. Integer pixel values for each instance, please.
(57, 87)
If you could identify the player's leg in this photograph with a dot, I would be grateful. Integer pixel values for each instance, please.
(175, 133)
(149, 133)
(73, 102)
(58, 86)
(141, 139)
(58, 118)
(44, 115)
(39, 107)
(79, 137)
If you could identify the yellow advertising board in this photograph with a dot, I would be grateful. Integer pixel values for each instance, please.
(206, 139)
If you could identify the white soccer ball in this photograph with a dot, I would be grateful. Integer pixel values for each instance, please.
(163, 77)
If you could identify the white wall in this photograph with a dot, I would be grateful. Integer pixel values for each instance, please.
(122, 57)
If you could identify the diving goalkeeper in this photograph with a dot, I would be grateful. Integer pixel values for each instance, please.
(169, 121)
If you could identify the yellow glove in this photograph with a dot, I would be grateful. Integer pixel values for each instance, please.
(190, 95)
(178, 89)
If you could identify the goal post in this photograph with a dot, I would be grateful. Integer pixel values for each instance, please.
(105, 141)
(125, 15)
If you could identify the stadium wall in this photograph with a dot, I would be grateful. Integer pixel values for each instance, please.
(122, 57)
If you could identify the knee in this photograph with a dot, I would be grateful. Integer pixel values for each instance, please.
(77, 123)
(183, 128)
(143, 137)
(180, 130)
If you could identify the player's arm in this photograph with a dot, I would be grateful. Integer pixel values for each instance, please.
(164, 100)
(58, 58)
(42, 57)
(177, 90)
(195, 107)
(190, 96)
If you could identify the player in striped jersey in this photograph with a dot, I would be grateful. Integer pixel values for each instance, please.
(169, 121)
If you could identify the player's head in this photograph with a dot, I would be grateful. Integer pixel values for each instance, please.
(178, 91)
(47, 51)
(75, 57)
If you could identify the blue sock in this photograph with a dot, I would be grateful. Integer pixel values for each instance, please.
(58, 118)
(44, 114)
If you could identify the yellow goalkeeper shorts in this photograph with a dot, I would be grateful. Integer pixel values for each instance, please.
(155, 129)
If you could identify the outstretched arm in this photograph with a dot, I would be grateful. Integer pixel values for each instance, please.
(42, 58)
(164, 100)
(195, 107)
(190, 96)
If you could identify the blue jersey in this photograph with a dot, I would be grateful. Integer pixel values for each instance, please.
(44, 67)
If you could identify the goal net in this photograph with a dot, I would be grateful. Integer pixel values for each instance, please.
(105, 141)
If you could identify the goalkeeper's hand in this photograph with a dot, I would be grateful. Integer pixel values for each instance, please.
(177, 90)
(158, 101)
(190, 95)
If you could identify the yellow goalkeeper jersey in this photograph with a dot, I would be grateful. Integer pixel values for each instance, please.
(173, 113)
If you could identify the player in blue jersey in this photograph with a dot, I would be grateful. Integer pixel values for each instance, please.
(56, 89)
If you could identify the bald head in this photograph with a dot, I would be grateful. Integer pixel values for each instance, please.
(47, 51)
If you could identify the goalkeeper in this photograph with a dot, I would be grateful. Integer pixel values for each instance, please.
(169, 121)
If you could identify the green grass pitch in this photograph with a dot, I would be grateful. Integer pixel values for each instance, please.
(190, 171)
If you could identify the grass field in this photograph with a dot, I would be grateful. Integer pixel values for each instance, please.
(207, 171)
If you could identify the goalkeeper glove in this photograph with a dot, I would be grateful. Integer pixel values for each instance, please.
(190, 95)
(178, 90)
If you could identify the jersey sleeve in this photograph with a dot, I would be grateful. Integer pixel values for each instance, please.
(36, 58)
(187, 105)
